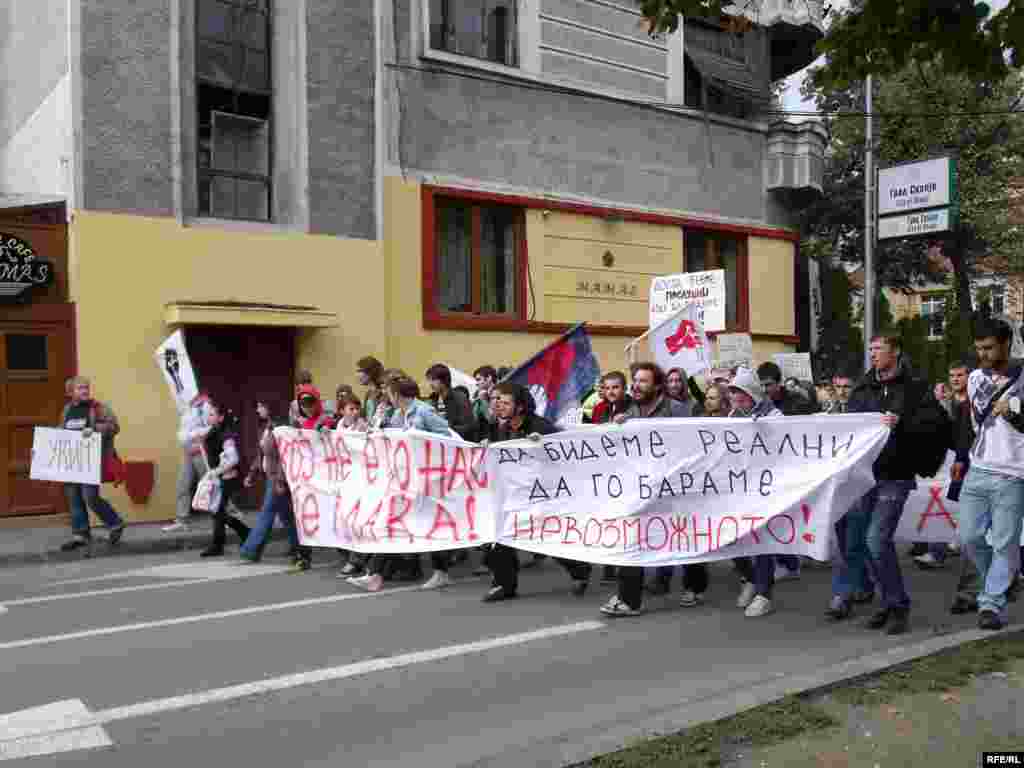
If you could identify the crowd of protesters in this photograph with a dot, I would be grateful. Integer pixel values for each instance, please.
(976, 413)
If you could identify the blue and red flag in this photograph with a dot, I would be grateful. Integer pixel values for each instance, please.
(560, 374)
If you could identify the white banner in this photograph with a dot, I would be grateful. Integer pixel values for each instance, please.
(680, 342)
(176, 368)
(64, 456)
(661, 492)
(706, 290)
(650, 492)
(391, 491)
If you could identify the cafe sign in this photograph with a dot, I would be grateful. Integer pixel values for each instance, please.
(20, 268)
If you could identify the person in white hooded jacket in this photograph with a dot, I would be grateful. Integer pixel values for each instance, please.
(748, 400)
(192, 430)
(992, 497)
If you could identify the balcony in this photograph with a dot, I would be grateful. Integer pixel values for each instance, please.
(796, 158)
(794, 26)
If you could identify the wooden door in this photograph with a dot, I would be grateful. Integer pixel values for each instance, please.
(35, 361)
(238, 366)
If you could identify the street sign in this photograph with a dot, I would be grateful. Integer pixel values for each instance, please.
(916, 186)
(911, 224)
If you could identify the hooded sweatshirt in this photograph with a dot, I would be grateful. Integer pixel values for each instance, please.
(999, 446)
(318, 417)
(747, 381)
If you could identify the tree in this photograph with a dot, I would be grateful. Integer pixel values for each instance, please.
(883, 37)
(840, 341)
(987, 142)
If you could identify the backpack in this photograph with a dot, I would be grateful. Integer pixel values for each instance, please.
(933, 429)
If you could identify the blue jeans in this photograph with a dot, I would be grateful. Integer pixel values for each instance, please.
(886, 502)
(759, 570)
(81, 496)
(274, 505)
(850, 572)
(992, 503)
(790, 562)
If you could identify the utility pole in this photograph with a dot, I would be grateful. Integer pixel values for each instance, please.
(869, 228)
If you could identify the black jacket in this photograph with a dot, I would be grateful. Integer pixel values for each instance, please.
(922, 419)
(459, 413)
(792, 404)
(665, 408)
(532, 423)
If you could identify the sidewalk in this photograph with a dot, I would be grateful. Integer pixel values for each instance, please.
(42, 545)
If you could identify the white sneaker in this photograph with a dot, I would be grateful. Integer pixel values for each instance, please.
(759, 606)
(782, 573)
(358, 581)
(177, 527)
(928, 560)
(746, 595)
(439, 580)
(615, 607)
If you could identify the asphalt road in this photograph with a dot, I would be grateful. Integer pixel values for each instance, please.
(166, 660)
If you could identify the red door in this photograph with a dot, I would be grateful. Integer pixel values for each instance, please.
(238, 365)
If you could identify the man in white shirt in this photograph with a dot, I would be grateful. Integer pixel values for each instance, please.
(192, 430)
(992, 498)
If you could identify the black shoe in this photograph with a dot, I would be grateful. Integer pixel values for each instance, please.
(212, 552)
(116, 534)
(918, 549)
(497, 594)
(861, 598)
(579, 587)
(75, 543)
(658, 587)
(878, 620)
(839, 610)
(990, 620)
(962, 605)
(899, 622)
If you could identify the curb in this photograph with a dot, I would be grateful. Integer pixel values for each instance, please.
(162, 543)
(573, 752)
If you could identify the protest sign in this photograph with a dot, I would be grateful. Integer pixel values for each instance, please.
(680, 342)
(64, 456)
(391, 491)
(649, 492)
(735, 349)
(706, 290)
(176, 368)
(667, 491)
(794, 365)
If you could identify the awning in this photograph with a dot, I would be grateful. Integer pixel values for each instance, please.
(731, 76)
(251, 314)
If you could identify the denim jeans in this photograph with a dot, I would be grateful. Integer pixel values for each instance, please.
(192, 469)
(81, 496)
(759, 570)
(992, 503)
(790, 562)
(886, 501)
(274, 505)
(850, 571)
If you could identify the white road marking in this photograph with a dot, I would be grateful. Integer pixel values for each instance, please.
(42, 727)
(25, 733)
(195, 619)
(216, 572)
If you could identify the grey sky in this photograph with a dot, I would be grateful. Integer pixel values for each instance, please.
(791, 99)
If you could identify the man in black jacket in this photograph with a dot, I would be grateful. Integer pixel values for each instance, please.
(650, 402)
(517, 419)
(910, 410)
(453, 404)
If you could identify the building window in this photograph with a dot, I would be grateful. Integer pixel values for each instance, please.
(998, 298)
(478, 258)
(233, 97)
(26, 352)
(706, 251)
(482, 29)
(933, 310)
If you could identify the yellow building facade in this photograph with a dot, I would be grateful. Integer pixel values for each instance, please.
(135, 279)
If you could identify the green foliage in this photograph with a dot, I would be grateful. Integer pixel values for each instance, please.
(840, 341)
(884, 37)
